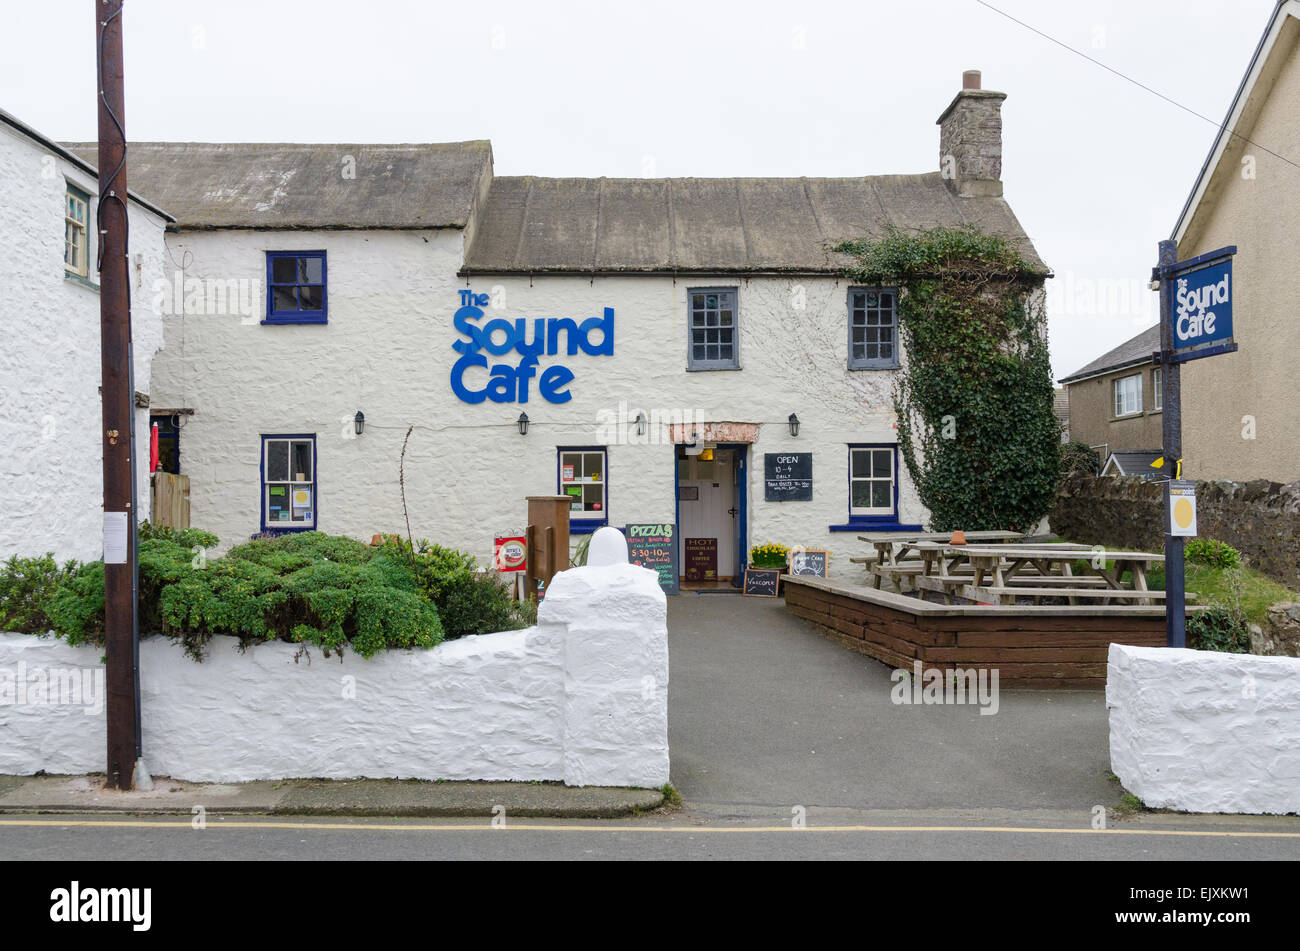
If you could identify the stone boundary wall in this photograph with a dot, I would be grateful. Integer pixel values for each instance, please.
(1261, 519)
(1202, 731)
(580, 698)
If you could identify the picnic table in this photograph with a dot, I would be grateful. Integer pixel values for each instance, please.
(1023, 570)
(893, 548)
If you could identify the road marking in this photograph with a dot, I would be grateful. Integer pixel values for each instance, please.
(521, 826)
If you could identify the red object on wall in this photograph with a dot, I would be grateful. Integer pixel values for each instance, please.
(153, 448)
(510, 553)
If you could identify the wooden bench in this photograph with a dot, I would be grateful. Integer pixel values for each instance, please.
(998, 593)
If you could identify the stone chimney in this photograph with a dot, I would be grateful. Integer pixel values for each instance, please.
(970, 140)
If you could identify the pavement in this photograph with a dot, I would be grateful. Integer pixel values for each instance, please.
(765, 711)
(307, 797)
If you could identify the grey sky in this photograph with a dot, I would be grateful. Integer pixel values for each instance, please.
(1095, 168)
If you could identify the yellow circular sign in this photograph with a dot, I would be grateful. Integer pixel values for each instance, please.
(1184, 512)
(300, 497)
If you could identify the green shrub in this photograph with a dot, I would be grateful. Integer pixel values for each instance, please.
(468, 601)
(436, 568)
(27, 588)
(479, 604)
(327, 590)
(1077, 457)
(184, 537)
(1219, 628)
(1223, 625)
(331, 591)
(1215, 554)
(77, 609)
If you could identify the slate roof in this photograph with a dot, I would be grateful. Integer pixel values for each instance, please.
(86, 162)
(556, 225)
(711, 225)
(1130, 353)
(287, 186)
(1136, 463)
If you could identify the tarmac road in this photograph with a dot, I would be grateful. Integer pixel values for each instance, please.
(686, 835)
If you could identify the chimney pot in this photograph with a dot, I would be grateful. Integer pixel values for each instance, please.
(970, 140)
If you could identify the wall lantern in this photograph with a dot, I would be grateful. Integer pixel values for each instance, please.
(523, 424)
(359, 421)
(640, 424)
(794, 425)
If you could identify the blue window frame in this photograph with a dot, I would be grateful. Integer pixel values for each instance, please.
(288, 472)
(873, 489)
(873, 328)
(295, 287)
(582, 473)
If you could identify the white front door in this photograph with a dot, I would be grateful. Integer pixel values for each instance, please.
(707, 499)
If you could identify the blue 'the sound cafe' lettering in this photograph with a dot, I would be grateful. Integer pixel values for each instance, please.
(498, 336)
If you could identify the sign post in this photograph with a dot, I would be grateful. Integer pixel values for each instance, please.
(1195, 321)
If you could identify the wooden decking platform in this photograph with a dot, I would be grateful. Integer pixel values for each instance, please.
(1030, 646)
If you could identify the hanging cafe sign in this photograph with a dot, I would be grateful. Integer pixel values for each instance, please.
(507, 383)
(1195, 321)
(1201, 315)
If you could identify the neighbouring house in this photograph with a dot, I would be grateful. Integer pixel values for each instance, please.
(671, 351)
(1239, 417)
(51, 466)
(1114, 403)
(1132, 464)
(1061, 408)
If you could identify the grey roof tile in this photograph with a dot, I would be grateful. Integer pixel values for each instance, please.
(289, 186)
(1133, 351)
(715, 225)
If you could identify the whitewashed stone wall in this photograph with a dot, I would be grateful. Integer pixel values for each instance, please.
(580, 698)
(1202, 731)
(51, 466)
(387, 351)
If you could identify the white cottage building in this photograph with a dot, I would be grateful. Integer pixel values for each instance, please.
(660, 336)
(51, 457)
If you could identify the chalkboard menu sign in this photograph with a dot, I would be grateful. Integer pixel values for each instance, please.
(701, 559)
(787, 476)
(810, 561)
(654, 546)
(762, 582)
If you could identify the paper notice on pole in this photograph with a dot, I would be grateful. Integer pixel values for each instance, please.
(1182, 508)
(115, 538)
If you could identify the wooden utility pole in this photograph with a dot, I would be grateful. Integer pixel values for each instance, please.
(1171, 422)
(120, 562)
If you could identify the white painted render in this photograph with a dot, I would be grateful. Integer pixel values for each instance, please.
(387, 351)
(51, 465)
(1203, 731)
(581, 698)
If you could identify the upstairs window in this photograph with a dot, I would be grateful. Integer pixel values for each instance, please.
(1128, 395)
(1157, 388)
(295, 287)
(288, 483)
(873, 329)
(712, 329)
(75, 246)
